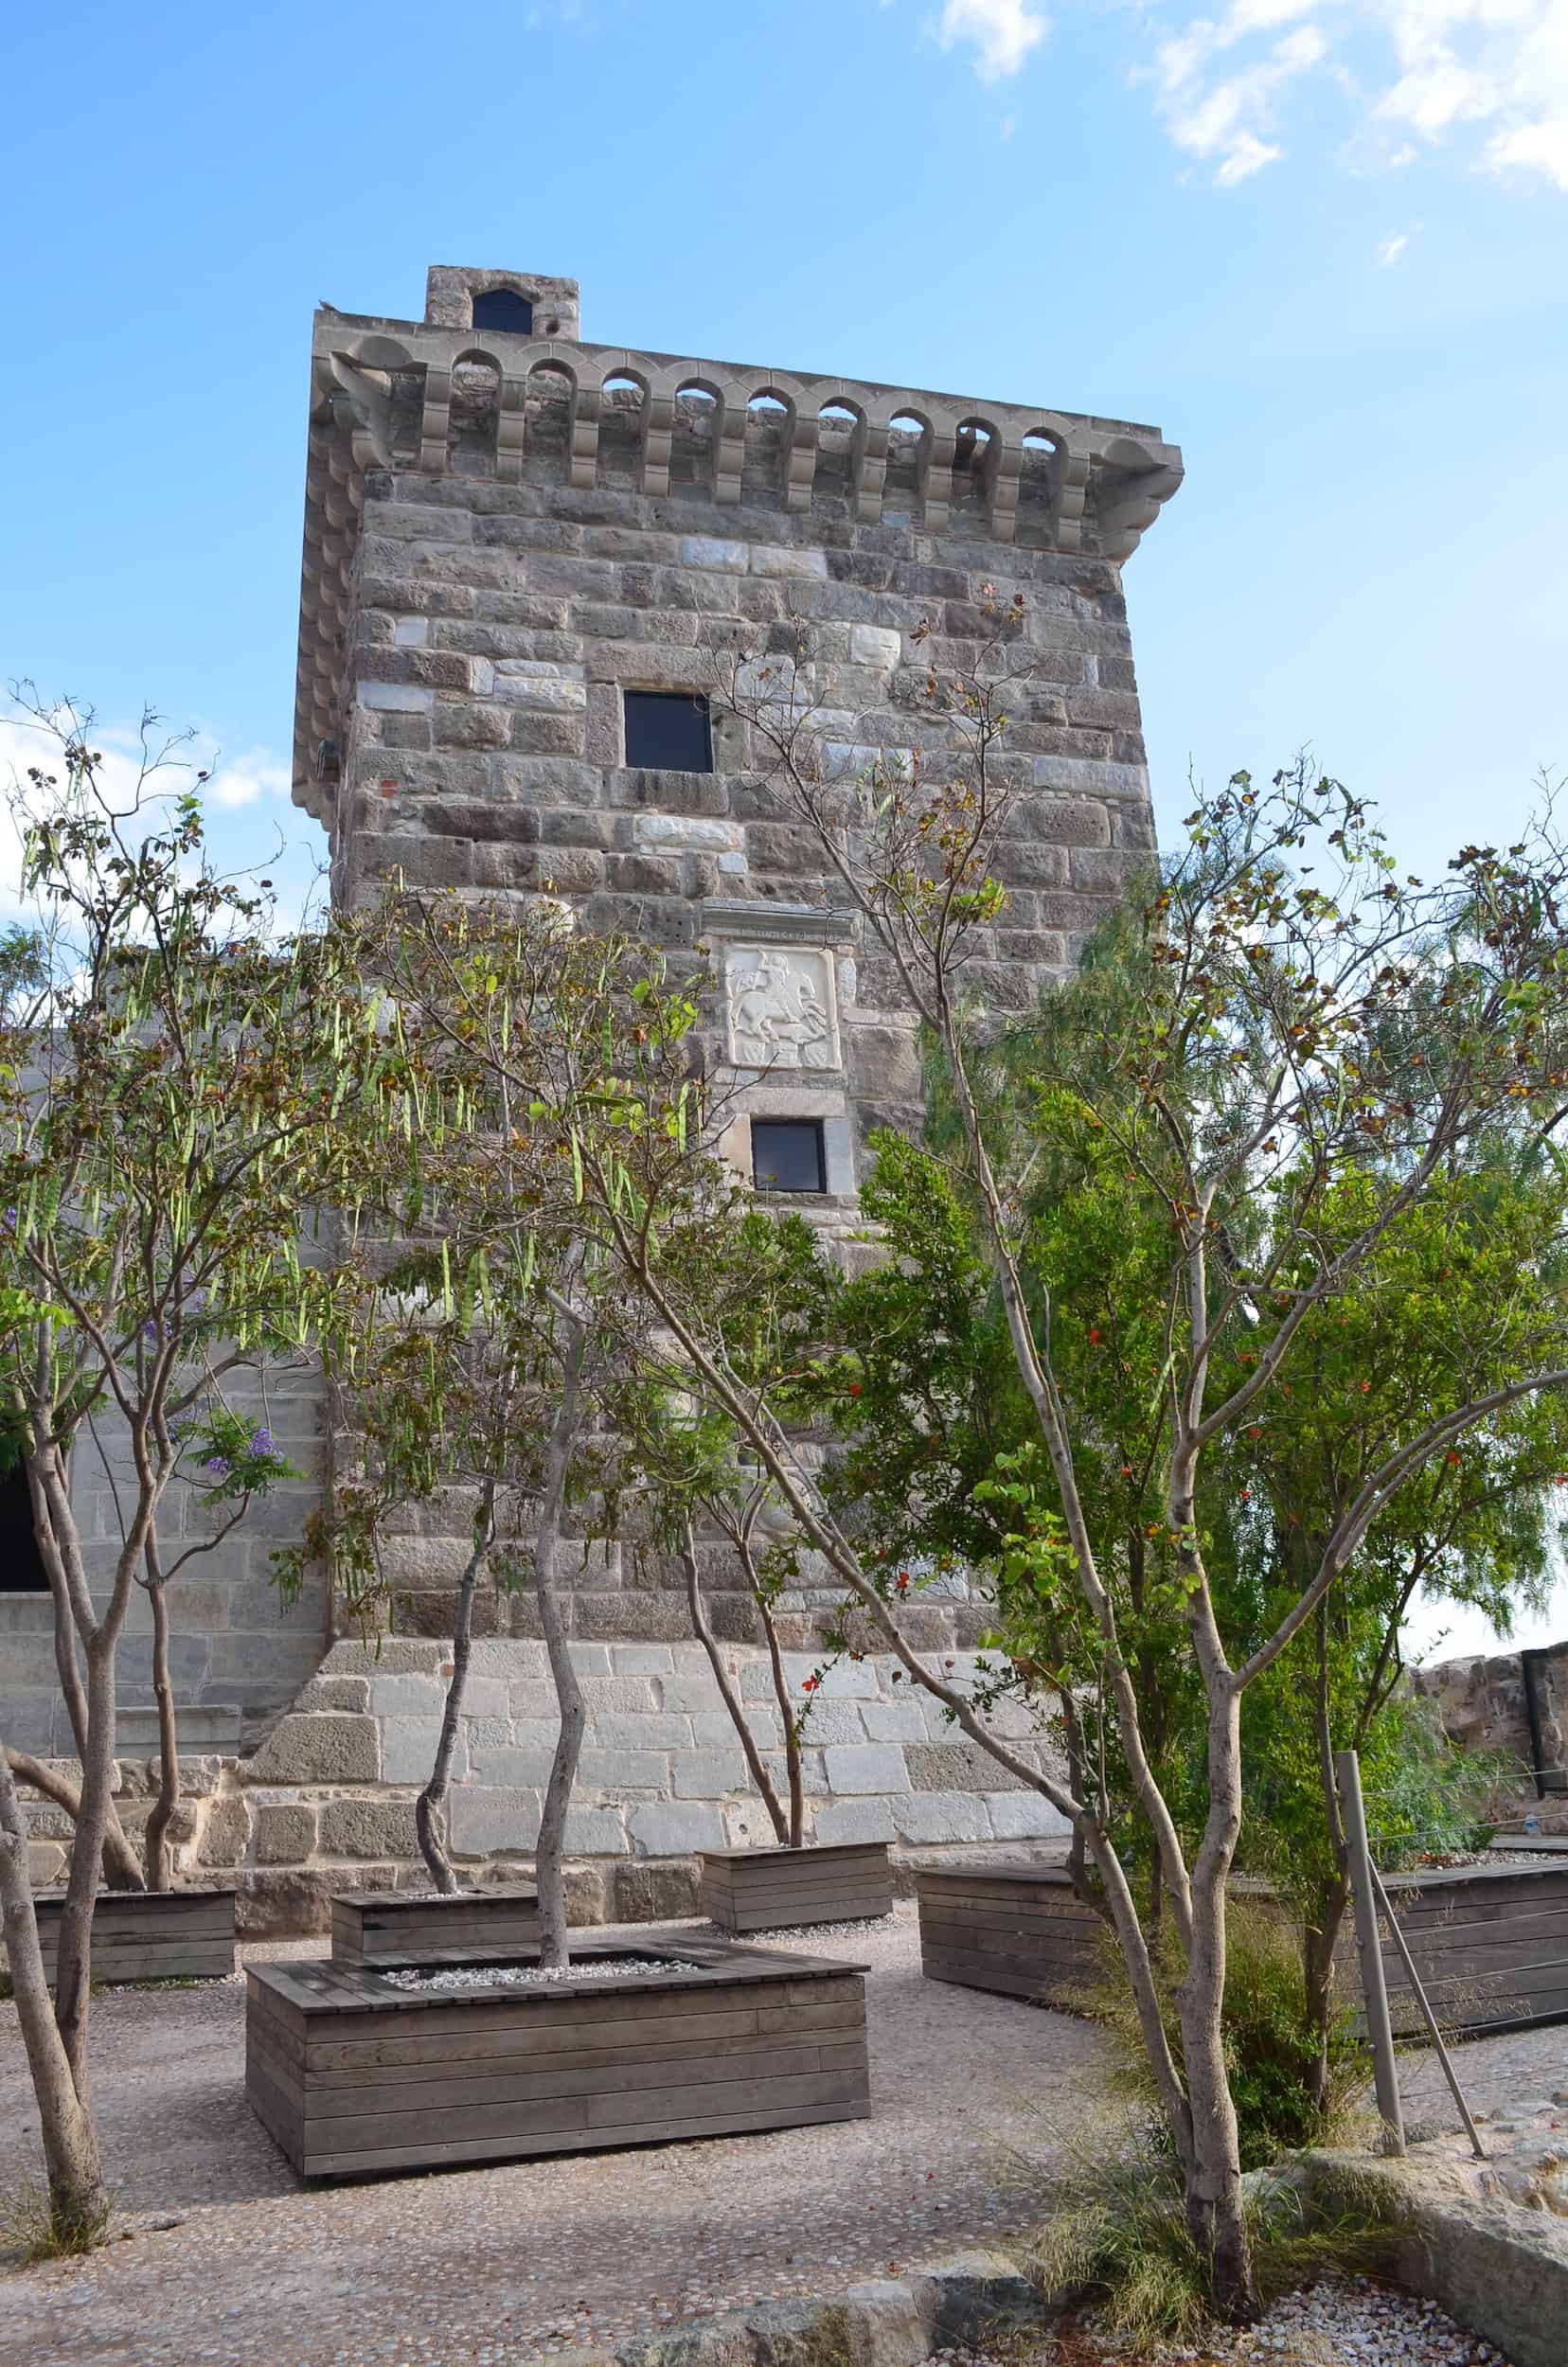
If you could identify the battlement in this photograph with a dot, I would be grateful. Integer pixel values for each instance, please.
(521, 400)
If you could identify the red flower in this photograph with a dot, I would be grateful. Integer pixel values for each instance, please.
(854, 1388)
(1255, 1430)
(1246, 1495)
(902, 1581)
(1094, 1339)
(1364, 1386)
(1452, 1459)
(1127, 1470)
(810, 1684)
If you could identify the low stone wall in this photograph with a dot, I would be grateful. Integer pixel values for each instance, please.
(326, 1803)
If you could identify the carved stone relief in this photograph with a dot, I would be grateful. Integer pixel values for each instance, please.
(780, 1008)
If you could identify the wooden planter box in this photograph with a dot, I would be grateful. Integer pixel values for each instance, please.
(1491, 1944)
(149, 1935)
(353, 2077)
(1012, 1927)
(768, 1889)
(411, 1928)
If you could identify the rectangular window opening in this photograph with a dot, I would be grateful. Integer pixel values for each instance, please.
(668, 731)
(788, 1155)
(22, 1569)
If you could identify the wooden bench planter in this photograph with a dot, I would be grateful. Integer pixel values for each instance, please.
(1008, 1926)
(412, 1926)
(1491, 1942)
(149, 1935)
(353, 2076)
(769, 1890)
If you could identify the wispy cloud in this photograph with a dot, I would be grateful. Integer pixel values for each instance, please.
(1388, 251)
(1002, 33)
(1489, 75)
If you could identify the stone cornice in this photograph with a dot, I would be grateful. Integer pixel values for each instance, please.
(1107, 478)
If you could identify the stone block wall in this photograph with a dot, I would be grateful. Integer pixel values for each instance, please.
(237, 1656)
(326, 1803)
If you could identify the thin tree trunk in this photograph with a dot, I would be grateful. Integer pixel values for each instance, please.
(791, 1731)
(120, 1870)
(1320, 1942)
(1216, 2219)
(159, 1864)
(121, 1867)
(73, 1963)
(703, 1632)
(78, 2201)
(549, 1867)
(430, 1809)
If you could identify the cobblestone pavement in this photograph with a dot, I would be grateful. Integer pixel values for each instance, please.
(486, 2268)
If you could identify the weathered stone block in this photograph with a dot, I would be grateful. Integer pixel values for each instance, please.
(660, 1828)
(853, 1820)
(482, 1820)
(652, 1894)
(709, 1775)
(1024, 1815)
(408, 1750)
(285, 1832)
(331, 1747)
(867, 1767)
(961, 1766)
(369, 1828)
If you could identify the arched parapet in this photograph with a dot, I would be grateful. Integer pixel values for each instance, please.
(699, 409)
(839, 460)
(623, 403)
(976, 464)
(561, 416)
(1041, 455)
(773, 413)
(473, 417)
(907, 437)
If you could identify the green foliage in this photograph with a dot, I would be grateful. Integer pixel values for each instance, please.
(33, 2227)
(1270, 2039)
(1118, 2234)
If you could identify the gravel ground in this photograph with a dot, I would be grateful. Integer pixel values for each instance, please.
(492, 2267)
(501, 2267)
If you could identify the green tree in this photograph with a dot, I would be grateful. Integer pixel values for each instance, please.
(1288, 1013)
(175, 1086)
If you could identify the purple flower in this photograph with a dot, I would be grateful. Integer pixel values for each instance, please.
(263, 1444)
(219, 1465)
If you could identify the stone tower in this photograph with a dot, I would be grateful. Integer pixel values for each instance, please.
(519, 550)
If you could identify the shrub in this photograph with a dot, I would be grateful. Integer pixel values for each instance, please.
(1118, 2233)
(1270, 2046)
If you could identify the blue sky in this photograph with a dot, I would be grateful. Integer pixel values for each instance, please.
(1320, 242)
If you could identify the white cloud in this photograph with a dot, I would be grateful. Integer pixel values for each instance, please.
(1003, 32)
(246, 779)
(1388, 251)
(1490, 76)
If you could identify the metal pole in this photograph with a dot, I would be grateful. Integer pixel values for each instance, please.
(1379, 2029)
(1437, 2035)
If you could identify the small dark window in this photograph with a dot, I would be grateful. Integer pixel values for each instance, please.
(21, 1569)
(668, 731)
(502, 308)
(787, 1155)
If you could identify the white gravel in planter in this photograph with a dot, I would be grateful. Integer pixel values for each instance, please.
(526, 1976)
(1358, 2323)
